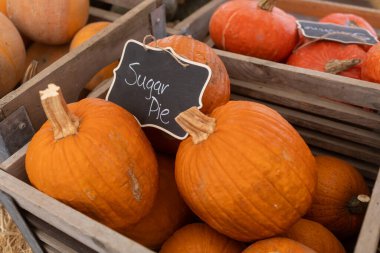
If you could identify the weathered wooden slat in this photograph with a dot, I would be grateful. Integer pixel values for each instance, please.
(306, 102)
(274, 74)
(197, 23)
(71, 222)
(15, 164)
(100, 14)
(323, 125)
(344, 147)
(74, 69)
(54, 237)
(129, 4)
(369, 236)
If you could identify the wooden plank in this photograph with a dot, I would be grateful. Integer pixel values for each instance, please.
(369, 236)
(100, 14)
(309, 7)
(196, 24)
(74, 69)
(15, 164)
(71, 222)
(54, 237)
(274, 74)
(129, 4)
(334, 144)
(306, 102)
(323, 125)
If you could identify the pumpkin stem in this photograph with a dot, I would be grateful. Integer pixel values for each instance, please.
(337, 66)
(197, 124)
(266, 5)
(31, 71)
(358, 204)
(63, 122)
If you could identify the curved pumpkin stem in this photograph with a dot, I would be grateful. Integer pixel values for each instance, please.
(31, 71)
(197, 124)
(266, 5)
(337, 66)
(358, 204)
(63, 122)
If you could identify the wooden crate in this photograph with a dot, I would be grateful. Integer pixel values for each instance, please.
(59, 227)
(305, 98)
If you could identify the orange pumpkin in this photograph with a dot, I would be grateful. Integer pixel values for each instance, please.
(249, 175)
(93, 156)
(216, 93)
(200, 238)
(168, 213)
(50, 22)
(44, 55)
(12, 56)
(371, 67)
(330, 57)
(85, 34)
(315, 236)
(254, 28)
(341, 197)
(280, 245)
(350, 20)
(3, 7)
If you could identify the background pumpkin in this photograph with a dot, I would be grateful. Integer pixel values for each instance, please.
(94, 157)
(330, 57)
(168, 213)
(85, 34)
(371, 66)
(336, 204)
(250, 175)
(315, 236)
(12, 57)
(278, 244)
(254, 28)
(44, 55)
(200, 238)
(51, 22)
(3, 6)
(216, 93)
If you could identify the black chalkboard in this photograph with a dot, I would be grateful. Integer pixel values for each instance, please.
(338, 33)
(152, 85)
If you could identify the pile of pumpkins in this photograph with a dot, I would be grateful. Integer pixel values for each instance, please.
(259, 29)
(35, 33)
(243, 181)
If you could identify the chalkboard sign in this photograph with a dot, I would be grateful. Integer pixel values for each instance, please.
(338, 33)
(154, 85)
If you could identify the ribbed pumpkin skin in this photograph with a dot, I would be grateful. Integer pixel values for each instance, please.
(12, 55)
(200, 238)
(168, 213)
(338, 182)
(278, 245)
(216, 93)
(44, 54)
(218, 89)
(252, 178)
(315, 236)
(51, 22)
(108, 170)
(315, 56)
(242, 27)
(371, 66)
(82, 36)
